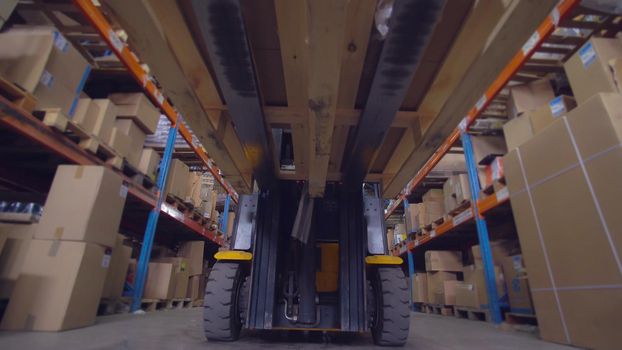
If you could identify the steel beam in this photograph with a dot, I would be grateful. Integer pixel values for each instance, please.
(224, 34)
(410, 28)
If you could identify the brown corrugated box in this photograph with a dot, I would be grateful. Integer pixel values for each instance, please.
(475, 276)
(588, 69)
(85, 203)
(149, 161)
(487, 147)
(420, 287)
(443, 260)
(192, 251)
(137, 107)
(192, 291)
(117, 270)
(527, 97)
(466, 295)
(160, 282)
(59, 286)
(545, 115)
(15, 240)
(104, 120)
(566, 210)
(43, 62)
(499, 250)
(517, 284)
(412, 216)
(436, 284)
(87, 114)
(120, 142)
(181, 275)
(194, 189)
(177, 179)
(137, 139)
(517, 131)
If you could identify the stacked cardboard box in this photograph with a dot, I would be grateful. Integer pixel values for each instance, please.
(179, 281)
(149, 162)
(412, 217)
(517, 285)
(117, 269)
(456, 190)
(563, 187)
(177, 179)
(526, 97)
(44, 63)
(63, 274)
(14, 242)
(420, 287)
(442, 267)
(432, 207)
(193, 253)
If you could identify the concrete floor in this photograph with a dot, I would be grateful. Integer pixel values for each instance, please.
(182, 329)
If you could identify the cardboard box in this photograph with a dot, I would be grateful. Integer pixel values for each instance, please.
(466, 295)
(449, 200)
(86, 114)
(477, 278)
(194, 189)
(14, 242)
(193, 287)
(6, 8)
(192, 251)
(588, 69)
(429, 211)
(517, 285)
(436, 284)
(564, 201)
(527, 97)
(136, 106)
(104, 121)
(420, 287)
(177, 179)
(119, 142)
(149, 161)
(43, 62)
(486, 148)
(433, 195)
(180, 279)
(390, 238)
(160, 281)
(517, 131)
(59, 286)
(545, 115)
(412, 217)
(443, 260)
(137, 139)
(616, 70)
(117, 270)
(499, 249)
(85, 203)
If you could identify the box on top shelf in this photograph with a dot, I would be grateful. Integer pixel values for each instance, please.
(194, 189)
(177, 179)
(443, 260)
(588, 69)
(136, 106)
(44, 63)
(117, 270)
(14, 242)
(526, 97)
(85, 203)
(486, 148)
(433, 195)
(546, 114)
(560, 193)
(517, 131)
(59, 286)
(149, 161)
(137, 139)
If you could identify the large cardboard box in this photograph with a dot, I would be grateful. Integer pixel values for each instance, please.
(43, 62)
(149, 161)
(545, 115)
(192, 291)
(429, 211)
(527, 97)
(412, 217)
(119, 142)
(557, 199)
(448, 295)
(486, 148)
(436, 283)
(517, 131)
(180, 279)
(192, 251)
(477, 278)
(87, 114)
(137, 107)
(160, 281)
(85, 203)
(14, 242)
(499, 249)
(177, 179)
(420, 287)
(443, 260)
(517, 284)
(104, 121)
(193, 194)
(466, 295)
(117, 270)
(137, 139)
(588, 69)
(59, 286)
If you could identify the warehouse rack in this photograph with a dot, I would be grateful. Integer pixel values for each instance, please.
(524, 67)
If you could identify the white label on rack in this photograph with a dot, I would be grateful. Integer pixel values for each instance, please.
(47, 79)
(462, 217)
(555, 16)
(159, 97)
(480, 103)
(531, 43)
(587, 55)
(145, 79)
(123, 191)
(433, 233)
(115, 41)
(503, 194)
(463, 124)
(60, 42)
(557, 106)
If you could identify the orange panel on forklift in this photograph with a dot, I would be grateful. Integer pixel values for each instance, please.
(326, 280)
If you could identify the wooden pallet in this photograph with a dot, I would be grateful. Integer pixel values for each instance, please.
(460, 208)
(197, 303)
(153, 304)
(179, 303)
(438, 309)
(472, 313)
(18, 96)
(176, 202)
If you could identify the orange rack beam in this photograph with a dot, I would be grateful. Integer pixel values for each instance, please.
(128, 58)
(535, 40)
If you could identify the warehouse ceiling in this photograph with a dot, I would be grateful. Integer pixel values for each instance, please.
(300, 76)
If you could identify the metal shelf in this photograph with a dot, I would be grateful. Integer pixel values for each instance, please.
(65, 151)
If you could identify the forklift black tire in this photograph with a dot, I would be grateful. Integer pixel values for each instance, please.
(221, 314)
(391, 317)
